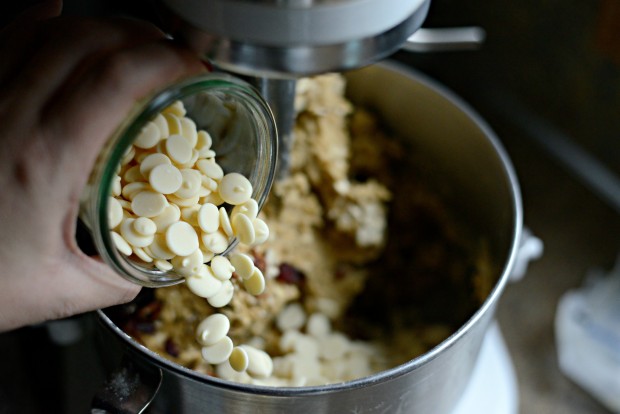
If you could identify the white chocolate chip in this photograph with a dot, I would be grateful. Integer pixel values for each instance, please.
(249, 208)
(116, 186)
(151, 161)
(282, 366)
(215, 242)
(131, 236)
(292, 316)
(204, 142)
(124, 203)
(203, 192)
(307, 346)
(159, 249)
(188, 265)
(223, 296)
(211, 169)
(192, 160)
(133, 174)
(130, 190)
(333, 346)
(243, 264)
(257, 342)
(142, 255)
(181, 238)
(225, 222)
(243, 229)
(225, 371)
(176, 108)
(166, 208)
(204, 284)
(128, 156)
(190, 214)
(171, 214)
(212, 329)
(188, 130)
(144, 226)
(318, 325)
(148, 137)
(260, 364)
(183, 202)
(208, 154)
(239, 359)
(218, 352)
(163, 265)
(255, 284)
(115, 213)
(235, 189)
(222, 268)
(165, 178)
(148, 203)
(121, 244)
(141, 155)
(207, 255)
(178, 149)
(328, 306)
(213, 198)
(190, 185)
(161, 123)
(173, 122)
(209, 183)
(261, 231)
(208, 218)
(288, 340)
(304, 367)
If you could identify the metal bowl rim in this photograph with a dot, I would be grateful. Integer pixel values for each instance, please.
(421, 360)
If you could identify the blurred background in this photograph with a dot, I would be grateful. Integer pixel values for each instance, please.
(547, 80)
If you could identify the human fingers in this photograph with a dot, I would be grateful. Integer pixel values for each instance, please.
(87, 113)
(64, 46)
(17, 37)
(86, 284)
(64, 286)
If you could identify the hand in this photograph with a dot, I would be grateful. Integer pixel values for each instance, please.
(65, 85)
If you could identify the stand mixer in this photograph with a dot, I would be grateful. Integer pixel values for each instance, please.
(275, 41)
(272, 43)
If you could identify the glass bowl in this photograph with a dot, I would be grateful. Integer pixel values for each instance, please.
(244, 137)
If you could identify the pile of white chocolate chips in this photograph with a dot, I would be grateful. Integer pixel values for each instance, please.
(326, 228)
(167, 211)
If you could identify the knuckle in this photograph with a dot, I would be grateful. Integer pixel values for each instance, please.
(29, 164)
(115, 70)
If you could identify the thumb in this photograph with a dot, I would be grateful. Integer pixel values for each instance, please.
(60, 287)
(89, 284)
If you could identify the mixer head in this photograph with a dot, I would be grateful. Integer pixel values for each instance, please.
(276, 41)
(289, 38)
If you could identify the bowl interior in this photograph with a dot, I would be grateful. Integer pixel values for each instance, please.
(451, 153)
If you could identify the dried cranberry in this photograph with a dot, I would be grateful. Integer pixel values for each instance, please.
(259, 261)
(291, 275)
(130, 328)
(171, 348)
(150, 312)
(145, 327)
(340, 272)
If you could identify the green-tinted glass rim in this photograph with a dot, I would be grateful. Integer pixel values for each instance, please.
(125, 135)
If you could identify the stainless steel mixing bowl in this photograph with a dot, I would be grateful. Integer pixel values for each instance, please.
(463, 153)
